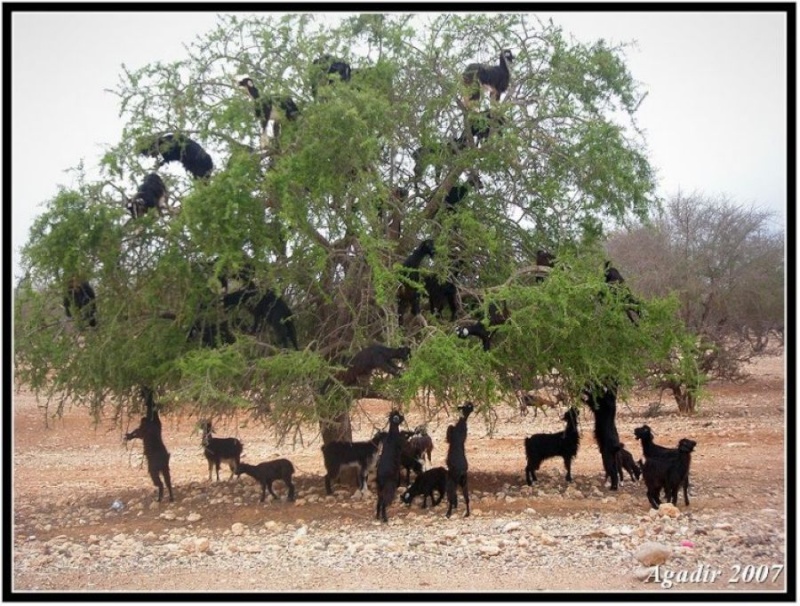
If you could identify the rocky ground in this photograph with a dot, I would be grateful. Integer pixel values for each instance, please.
(217, 537)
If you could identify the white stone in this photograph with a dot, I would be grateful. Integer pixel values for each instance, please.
(194, 517)
(237, 529)
(652, 553)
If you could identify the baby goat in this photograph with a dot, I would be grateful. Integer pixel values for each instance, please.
(668, 472)
(338, 455)
(424, 484)
(542, 446)
(80, 294)
(388, 472)
(457, 465)
(625, 462)
(149, 431)
(495, 78)
(179, 148)
(217, 450)
(266, 473)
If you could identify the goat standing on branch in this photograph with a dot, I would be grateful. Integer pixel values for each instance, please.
(494, 78)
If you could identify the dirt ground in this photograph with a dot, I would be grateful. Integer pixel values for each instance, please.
(739, 465)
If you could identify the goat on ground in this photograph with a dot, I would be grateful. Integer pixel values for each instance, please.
(219, 450)
(413, 448)
(149, 432)
(604, 407)
(152, 193)
(668, 472)
(266, 473)
(495, 78)
(338, 455)
(477, 329)
(80, 295)
(625, 462)
(179, 148)
(650, 450)
(542, 446)
(457, 465)
(424, 484)
(409, 296)
(388, 470)
(267, 108)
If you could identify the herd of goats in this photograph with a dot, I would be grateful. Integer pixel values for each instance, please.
(387, 453)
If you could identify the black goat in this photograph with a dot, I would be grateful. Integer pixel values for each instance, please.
(495, 78)
(324, 67)
(484, 124)
(459, 191)
(374, 357)
(266, 473)
(266, 108)
(152, 193)
(544, 261)
(651, 450)
(424, 484)
(625, 462)
(80, 295)
(338, 455)
(604, 407)
(615, 280)
(217, 450)
(268, 308)
(668, 472)
(441, 295)
(182, 149)
(409, 296)
(388, 471)
(496, 318)
(542, 446)
(434, 155)
(149, 432)
(457, 465)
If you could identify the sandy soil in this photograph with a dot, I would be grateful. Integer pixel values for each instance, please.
(738, 470)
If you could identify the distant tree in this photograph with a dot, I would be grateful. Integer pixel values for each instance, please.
(727, 266)
(317, 217)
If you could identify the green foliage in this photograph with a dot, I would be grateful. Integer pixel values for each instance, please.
(313, 214)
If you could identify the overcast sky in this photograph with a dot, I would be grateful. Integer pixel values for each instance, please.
(714, 118)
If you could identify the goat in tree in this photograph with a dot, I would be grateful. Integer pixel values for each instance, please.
(409, 296)
(270, 108)
(80, 295)
(179, 148)
(495, 78)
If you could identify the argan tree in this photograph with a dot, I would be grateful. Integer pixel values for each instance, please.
(323, 215)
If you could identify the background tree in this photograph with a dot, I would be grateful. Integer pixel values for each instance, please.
(725, 264)
(314, 216)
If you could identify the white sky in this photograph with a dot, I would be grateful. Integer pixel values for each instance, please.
(714, 118)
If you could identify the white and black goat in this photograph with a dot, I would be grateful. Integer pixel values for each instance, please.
(270, 109)
(484, 333)
(219, 450)
(494, 78)
(362, 455)
(542, 446)
(152, 193)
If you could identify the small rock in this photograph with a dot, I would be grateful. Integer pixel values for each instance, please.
(512, 526)
(202, 544)
(547, 539)
(489, 549)
(668, 510)
(237, 529)
(652, 553)
(194, 517)
(167, 515)
(643, 573)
